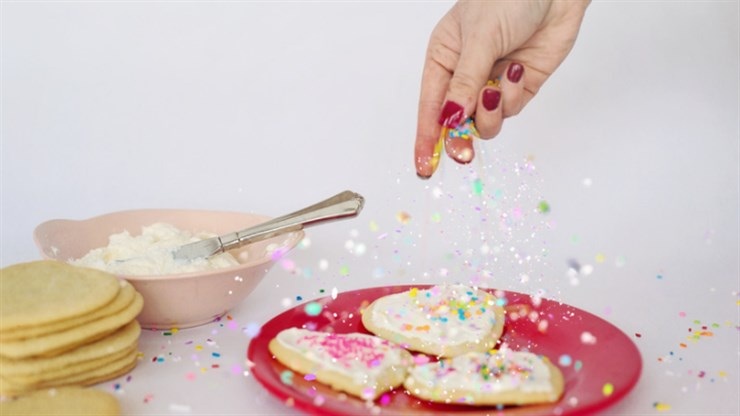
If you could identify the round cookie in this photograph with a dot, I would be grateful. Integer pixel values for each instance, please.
(58, 342)
(41, 292)
(63, 401)
(123, 339)
(107, 371)
(445, 321)
(78, 369)
(359, 364)
(503, 377)
(123, 299)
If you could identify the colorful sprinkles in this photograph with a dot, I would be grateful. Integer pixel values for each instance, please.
(498, 209)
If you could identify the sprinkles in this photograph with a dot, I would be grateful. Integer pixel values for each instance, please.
(312, 308)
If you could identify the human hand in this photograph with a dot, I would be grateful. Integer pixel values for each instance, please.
(487, 59)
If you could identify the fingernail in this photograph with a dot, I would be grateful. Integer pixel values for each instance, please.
(491, 98)
(465, 156)
(420, 176)
(515, 72)
(437, 154)
(452, 115)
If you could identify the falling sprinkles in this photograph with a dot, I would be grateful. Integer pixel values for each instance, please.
(286, 377)
(462, 262)
(313, 308)
(543, 207)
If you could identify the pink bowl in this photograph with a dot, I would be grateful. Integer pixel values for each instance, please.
(179, 300)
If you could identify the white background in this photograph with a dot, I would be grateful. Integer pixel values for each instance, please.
(267, 107)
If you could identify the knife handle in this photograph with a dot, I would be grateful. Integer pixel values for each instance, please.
(342, 205)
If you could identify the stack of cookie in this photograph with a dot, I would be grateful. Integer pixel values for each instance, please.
(63, 325)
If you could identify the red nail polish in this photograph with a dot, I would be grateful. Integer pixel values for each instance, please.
(452, 115)
(491, 98)
(515, 72)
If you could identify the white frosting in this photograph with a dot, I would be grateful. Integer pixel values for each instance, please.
(361, 357)
(447, 315)
(484, 373)
(151, 253)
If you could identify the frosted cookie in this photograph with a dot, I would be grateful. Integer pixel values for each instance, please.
(443, 320)
(80, 359)
(359, 364)
(503, 377)
(124, 298)
(41, 292)
(59, 342)
(63, 401)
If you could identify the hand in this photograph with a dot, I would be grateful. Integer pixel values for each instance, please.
(487, 59)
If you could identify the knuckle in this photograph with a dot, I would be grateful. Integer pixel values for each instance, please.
(464, 84)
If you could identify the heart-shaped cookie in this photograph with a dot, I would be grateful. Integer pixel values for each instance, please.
(445, 321)
(359, 364)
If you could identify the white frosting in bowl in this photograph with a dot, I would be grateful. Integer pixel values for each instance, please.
(150, 253)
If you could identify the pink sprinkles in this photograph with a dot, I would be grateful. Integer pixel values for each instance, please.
(347, 350)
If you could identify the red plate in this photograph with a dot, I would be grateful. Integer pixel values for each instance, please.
(599, 362)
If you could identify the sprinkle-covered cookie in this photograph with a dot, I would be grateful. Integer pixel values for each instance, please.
(445, 321)
(502, 377)
(359, 364)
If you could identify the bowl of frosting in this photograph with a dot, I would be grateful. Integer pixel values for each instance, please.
(137, 245)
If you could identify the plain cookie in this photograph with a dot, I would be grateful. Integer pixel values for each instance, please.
(124, 339)
(59, 342)
(124, 298)
(63, 401)
(41, 292)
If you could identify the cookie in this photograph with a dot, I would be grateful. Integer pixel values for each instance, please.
(63, 401)
(359, 364)
(41, 292)
(503, 377)
(84, 367)
(444, 321)
(59, 342)
(124, 298)
(105, 372)
(123, 339)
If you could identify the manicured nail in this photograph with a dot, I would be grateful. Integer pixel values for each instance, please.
(491, 98)
(452, 115)
(437, 154)
(465, 156)
(515, 72)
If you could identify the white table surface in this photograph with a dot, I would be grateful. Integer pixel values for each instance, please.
(266, 107)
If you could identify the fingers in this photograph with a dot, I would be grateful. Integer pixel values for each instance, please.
(459, 142)
(488, 114)
(471, 74)
(461, 100)
(427, 148)
(512, 89)
(500, 99)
